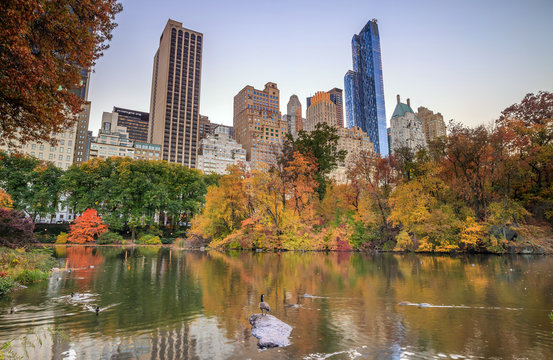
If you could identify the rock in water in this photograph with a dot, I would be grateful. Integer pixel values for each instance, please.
(270, 331)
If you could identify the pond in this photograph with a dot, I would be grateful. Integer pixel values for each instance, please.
(159, 303)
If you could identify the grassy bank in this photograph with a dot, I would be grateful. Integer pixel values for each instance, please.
(20, 267)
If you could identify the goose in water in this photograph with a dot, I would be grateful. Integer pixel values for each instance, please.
(263, 305)
(97, 310)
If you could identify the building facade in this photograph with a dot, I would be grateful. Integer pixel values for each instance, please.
(60, 155)
(432, 124)
(175, 99)
(321, 110)
(405, 128)
(364, 87)
(258, 125)
(112, 140)
(336, 96)
(209, 128)
(80, 151)
(218, 151)
(135, 121)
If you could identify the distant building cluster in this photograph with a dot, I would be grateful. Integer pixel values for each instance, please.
(174, 131)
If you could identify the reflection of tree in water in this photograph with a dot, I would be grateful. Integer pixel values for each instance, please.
(182, 301)
(80, 259)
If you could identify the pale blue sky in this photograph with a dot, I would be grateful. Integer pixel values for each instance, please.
(466, 59)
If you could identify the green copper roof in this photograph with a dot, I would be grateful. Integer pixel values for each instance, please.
(401, 109)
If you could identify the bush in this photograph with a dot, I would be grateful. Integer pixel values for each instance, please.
(15, 229)
(167, 241)
(5, 285)
(109, 237)
(151, 230)
(30, 276)
(62, 238)
(45, 238)
(149, 240)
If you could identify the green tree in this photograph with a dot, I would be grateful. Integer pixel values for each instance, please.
(33, 185)
(130, 194)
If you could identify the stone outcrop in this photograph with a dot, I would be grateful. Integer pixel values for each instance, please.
(270, 331)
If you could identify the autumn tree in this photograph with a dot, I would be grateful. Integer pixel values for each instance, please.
(226, 206)
(301, 172)
(86, 228)
(5, 200)
(528, 126)
(52, 44)
(469, 165)
(375, 177)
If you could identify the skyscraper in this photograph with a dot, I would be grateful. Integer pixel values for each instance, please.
(258, 125)
(365, 89)
(321, 110)
(175, 99)
(337, 98)
(135, 121)
(294, 115)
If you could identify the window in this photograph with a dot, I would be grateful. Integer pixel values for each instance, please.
(33, 146)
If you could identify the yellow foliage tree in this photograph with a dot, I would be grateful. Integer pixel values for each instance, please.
(5, 200)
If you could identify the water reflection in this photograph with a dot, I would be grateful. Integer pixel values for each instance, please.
(165, 304)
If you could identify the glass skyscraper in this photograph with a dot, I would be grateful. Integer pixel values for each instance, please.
(365, 89)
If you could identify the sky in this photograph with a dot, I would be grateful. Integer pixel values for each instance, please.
(467, 59)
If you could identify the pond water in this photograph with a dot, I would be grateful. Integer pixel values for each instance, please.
(158, 303)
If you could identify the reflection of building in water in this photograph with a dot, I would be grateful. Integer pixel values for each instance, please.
(200, 339)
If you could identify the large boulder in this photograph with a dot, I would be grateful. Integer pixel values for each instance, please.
(504, 232)
(270, 331)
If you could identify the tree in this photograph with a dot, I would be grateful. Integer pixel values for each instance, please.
(528, 129)
(301, 172)
(86, 227)
(51, 45)
(374, 178)
(322, 145)
(469, 166)
(15, 229)
(135, 193)
(5, 200)
(34, 185)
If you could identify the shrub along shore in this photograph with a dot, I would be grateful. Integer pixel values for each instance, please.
(21, 268)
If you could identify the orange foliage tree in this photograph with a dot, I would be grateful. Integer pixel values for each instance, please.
(5, 200)
(86, 227)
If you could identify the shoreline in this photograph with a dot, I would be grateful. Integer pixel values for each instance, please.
(535, 251)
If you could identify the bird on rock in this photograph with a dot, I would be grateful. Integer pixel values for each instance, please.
(263, 305)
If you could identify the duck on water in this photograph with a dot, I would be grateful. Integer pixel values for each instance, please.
(263, 305)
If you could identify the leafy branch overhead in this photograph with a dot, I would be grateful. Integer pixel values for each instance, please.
(47, 48)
